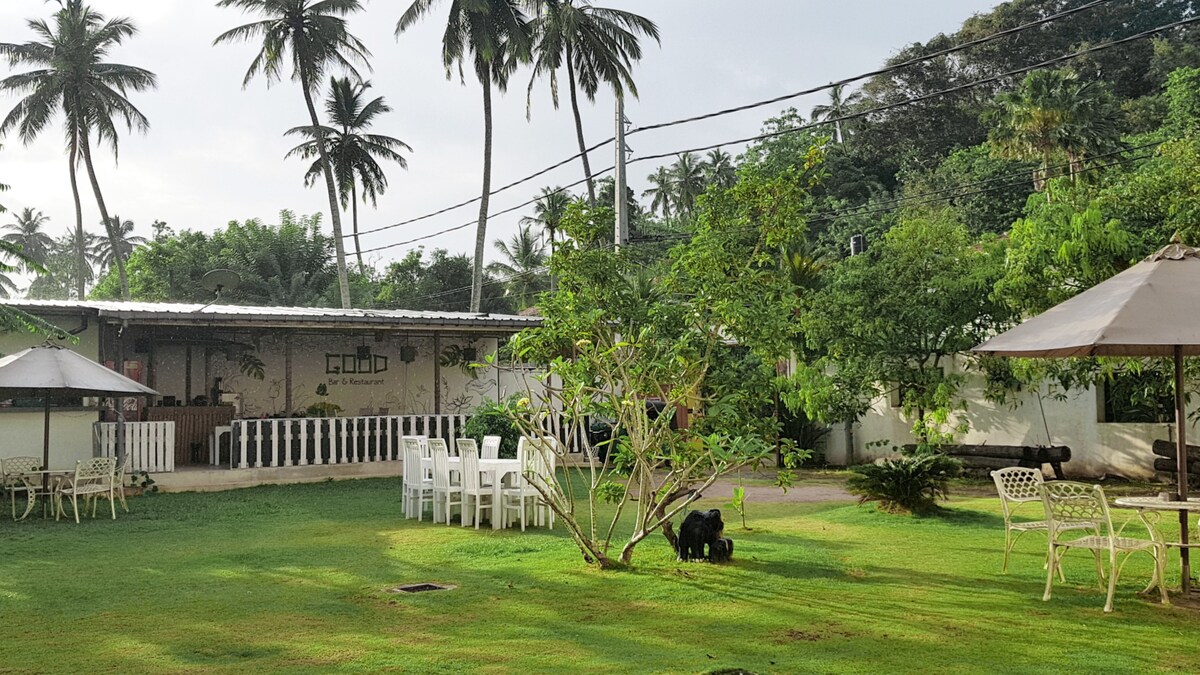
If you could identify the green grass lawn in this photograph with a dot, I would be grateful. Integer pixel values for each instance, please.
(293, 578)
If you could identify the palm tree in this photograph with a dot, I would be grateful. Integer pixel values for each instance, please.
(548, 211)
(493, 35)
(27, 231)
(1054, 112)
(523, 265)
(687, 179)
(719, 169)
(312, 35)
(597, 45)
(114, 250)
(662, 191)
(72, 76)
(837, 108)
(352, 150)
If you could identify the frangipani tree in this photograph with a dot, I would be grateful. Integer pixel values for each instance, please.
(612, 346)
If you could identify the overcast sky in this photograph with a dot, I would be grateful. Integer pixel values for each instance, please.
(215, 152)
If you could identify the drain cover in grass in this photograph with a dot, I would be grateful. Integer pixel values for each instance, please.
(420, 588)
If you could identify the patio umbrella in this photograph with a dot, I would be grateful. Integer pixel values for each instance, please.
(50, 371)
(1150, 309)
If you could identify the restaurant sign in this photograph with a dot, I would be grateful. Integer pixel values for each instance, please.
(344, 365)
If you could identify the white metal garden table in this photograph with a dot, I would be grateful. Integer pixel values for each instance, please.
(496, 469)
(1150, 510)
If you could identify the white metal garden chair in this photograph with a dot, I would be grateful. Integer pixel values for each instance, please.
(474, 490)
(1068, 503)
(417, 488)
(1019, 485)
(444, 491)
(10, 471)
(119, 481)
(490, 448)
(93, 480)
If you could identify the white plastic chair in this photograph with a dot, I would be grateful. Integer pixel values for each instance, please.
(473, 489)
(436, 444)
(1068, 503)
(537, 460)
(1018, 485)
(416, 485)
(466, 445)
(444, 491)
(93, 479)
(490, 448)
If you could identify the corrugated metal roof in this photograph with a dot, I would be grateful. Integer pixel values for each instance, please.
(180, 313)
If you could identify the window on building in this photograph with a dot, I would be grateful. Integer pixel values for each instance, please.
(1138, 398)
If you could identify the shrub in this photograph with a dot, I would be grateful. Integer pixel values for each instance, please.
(907, 484)
(494, 419)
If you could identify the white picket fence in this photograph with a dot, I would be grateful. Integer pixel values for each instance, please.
(150, 446)
(333, 440)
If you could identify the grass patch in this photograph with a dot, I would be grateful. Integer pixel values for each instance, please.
(296, 578)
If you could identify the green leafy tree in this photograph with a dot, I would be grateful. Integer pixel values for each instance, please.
(895, 318)
(597, 46)
(441, 284)
(355, 154)
(312, 37)
(990, 201)
(1060, 249)
(287, 264)
(493, 36)
(522, 266)
(27, 230)
(72, 77)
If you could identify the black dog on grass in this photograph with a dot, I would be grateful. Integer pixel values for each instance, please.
(700, 529)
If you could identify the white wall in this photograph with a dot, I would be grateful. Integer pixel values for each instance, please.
(1097, 448)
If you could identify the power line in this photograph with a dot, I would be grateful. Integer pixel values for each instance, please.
(750, 106)
(806, 127)
(930, 197)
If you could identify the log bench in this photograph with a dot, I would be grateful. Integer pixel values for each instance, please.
(992, 457)
(1165, 455)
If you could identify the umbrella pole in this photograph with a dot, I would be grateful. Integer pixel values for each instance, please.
(1181, 465)
(46, 443)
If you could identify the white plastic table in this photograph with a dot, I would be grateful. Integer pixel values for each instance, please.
(496, 469)
(1149, 510)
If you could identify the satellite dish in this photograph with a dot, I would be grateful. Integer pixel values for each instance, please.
(220, 281)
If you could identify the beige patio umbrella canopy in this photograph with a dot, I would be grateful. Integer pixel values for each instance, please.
(51, 372)
(1150, 309)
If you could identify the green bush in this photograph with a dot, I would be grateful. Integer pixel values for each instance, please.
(908, 484)
(494, 419)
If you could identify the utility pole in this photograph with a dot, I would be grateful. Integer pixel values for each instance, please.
(621, 227)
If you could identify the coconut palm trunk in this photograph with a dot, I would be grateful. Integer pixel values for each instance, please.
(484, 201)
(80, 250)
(354, 216)
(113, 238)
(335, 215)
(587, 165)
